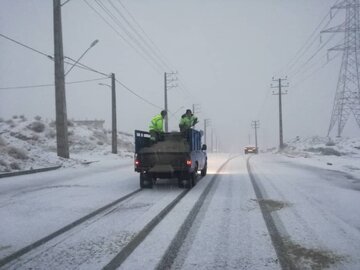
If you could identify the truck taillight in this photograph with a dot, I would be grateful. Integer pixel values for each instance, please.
(188, 162)
(137, 162)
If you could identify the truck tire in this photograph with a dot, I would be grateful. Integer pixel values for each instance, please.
(194, 176)
(204, 170)
(189, 181)
(180, 183)
(145, 181)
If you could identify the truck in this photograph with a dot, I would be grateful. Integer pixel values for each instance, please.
(176, 155)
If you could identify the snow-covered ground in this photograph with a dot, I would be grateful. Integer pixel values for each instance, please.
(311, 191)
(31, 144)
(337, 154)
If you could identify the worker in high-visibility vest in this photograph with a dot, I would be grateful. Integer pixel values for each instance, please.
(156, 128)
(187, 121)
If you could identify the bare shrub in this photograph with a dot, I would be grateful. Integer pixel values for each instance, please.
(37, 126)
(3, 163)
(2, 141)
(100, 143)
(4, 166)
(101, 136)
(326, 151)
(330, 143)
(70, 123)
(52, 124)
(20, 136)
(1, 120)
(9, 122)
(50, 134)
(23, 118)
(15, 117)
(17, 153)
(35, 137)
(14, 166)
(37, 118)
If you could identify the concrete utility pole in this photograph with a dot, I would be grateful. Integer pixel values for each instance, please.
(113, 114)
(196, 108)
(281, 145)
(206, 124)
(255, 125)
(60, 98)
(169, 79)
(212, 140)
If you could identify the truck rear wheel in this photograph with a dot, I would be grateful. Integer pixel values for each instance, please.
(145, 181)
(180, 182)
(194, 176)
(204, 170)
(189, 182)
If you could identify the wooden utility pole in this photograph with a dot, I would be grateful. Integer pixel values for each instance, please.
(113, 110)
(60, 98)
(280, 93)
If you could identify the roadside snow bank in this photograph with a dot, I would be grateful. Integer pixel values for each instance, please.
(341, 154)
(31, 143)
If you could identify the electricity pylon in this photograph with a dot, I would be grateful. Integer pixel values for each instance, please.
(347, 97)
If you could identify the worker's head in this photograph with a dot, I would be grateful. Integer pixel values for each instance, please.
(188, 112)
(163, 113)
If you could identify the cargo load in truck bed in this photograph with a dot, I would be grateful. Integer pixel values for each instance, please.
(176, 155)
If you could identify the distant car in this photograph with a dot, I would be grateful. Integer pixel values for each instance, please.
(250, 149)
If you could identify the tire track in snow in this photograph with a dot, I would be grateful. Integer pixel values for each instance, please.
(277, 240)
(64, 229)
(170, 255)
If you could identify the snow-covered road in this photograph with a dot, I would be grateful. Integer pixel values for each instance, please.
(297, 217)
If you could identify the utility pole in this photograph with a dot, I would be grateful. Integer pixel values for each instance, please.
(255, 125)
(60, 97)
(216, 144)
(196, 108)
(206, 124)
(113, 114)
(347, 97)
(212, 140)
(279, 93)
(169, 79)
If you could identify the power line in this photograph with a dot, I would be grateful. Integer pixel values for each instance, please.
(135, 94)
(128, 33)
(79, 65)
(122, 37)
(314, 72)
(303, 49)
(312, 56)
(28, 47)
(50, 84)
(159, 54)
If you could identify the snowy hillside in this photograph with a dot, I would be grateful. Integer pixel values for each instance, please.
(31, 143)
(342, 154)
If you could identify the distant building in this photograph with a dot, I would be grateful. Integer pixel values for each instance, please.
(90, 123)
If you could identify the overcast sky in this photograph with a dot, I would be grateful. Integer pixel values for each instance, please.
(225, 52)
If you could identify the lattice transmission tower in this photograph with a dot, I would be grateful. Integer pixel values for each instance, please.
(347, 97)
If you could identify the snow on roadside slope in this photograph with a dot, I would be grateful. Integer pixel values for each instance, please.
(340, 154)
(31, 143)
